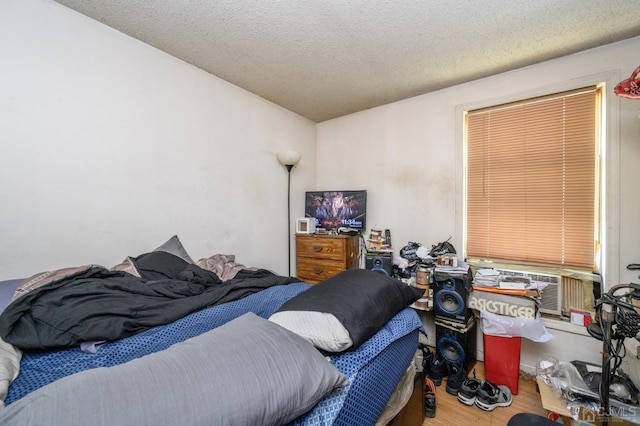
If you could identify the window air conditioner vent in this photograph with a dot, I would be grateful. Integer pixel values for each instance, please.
(551, 300)
(577, 295)
(562, 293)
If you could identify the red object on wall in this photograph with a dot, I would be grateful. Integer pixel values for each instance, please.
(629, 88)
(502, 360)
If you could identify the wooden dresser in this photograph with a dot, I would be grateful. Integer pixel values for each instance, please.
(319, 257)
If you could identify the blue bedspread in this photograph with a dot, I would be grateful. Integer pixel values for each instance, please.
(39, 369)
(354, 365)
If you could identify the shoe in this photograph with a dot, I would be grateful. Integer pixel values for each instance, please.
(429, 398)
(504, 398)
(457, 375)
(426, 359)
(487, 396)
(490, 396)
(468, 390)
(436, 368)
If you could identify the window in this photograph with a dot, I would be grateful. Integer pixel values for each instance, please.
(532, 179)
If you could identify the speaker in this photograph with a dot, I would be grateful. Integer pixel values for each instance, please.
(457, 342)
(450, 295)
(379, 262)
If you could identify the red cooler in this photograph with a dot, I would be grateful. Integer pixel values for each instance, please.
(502, 360)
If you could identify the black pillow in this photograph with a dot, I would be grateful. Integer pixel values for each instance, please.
(159, 265)
(361, 300)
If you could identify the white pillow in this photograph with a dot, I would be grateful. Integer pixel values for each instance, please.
(322, 329)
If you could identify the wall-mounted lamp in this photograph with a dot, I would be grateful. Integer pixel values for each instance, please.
(289, 159)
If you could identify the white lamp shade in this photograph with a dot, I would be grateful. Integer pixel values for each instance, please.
(289, 158)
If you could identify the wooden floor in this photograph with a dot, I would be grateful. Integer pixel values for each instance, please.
(451, 412)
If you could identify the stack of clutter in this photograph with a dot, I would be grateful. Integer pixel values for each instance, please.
(488, 278)
(484, 394)
(514, 285)
(458, 269)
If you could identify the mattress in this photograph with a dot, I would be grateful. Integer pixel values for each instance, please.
(373, 369)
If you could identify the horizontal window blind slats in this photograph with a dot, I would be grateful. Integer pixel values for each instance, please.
(531, 178)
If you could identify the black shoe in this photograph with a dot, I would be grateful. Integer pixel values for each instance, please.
(457, 375)
(426, 360)
(487, 396)
(437, 368)
(468, 390)
(499, 396)
(429, 398)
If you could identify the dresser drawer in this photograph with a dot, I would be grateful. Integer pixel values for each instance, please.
(321, 248)
(314, 270)
(319, 257)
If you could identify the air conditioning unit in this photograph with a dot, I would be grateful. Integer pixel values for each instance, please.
(551, 300)
(562, 293)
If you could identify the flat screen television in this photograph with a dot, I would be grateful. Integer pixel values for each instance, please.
(337, 209)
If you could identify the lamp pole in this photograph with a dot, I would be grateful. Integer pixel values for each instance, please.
(289, 159)
(289, 167)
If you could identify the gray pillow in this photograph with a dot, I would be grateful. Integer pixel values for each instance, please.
(174, 246)
(249, 371)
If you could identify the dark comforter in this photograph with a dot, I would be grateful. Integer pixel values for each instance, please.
(98, 304)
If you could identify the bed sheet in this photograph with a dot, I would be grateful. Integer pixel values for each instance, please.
(62, 363)
(41, 368)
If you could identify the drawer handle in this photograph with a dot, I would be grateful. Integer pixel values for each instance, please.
(317, 270)
(317, 248)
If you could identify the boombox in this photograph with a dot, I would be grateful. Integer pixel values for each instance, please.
(379, 262)
(450, 295)
(456, 342)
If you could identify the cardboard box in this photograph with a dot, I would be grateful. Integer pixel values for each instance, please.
(586, 417)
(551, 402)
(590, 417)
(502, 304)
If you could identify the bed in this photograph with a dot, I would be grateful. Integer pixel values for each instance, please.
(162, 340)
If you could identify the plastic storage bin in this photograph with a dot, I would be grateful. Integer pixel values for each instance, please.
(502, 360)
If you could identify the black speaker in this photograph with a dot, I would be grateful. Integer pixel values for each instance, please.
(379, 262)
(457, 342)
(450, 295)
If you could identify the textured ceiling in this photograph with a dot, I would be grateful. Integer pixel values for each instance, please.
(326, 58)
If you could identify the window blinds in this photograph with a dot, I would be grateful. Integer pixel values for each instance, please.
(531, 180)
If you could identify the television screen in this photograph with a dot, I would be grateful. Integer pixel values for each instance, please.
(336, 209)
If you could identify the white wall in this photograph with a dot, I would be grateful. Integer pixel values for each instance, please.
(408, 155)
(109, 146)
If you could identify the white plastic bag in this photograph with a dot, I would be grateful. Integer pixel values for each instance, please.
(506, 326)
(399, 397)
